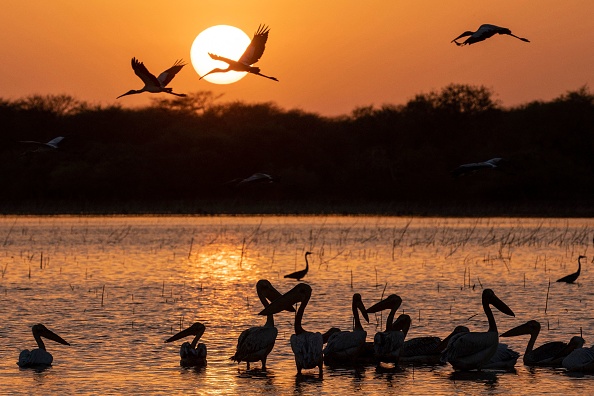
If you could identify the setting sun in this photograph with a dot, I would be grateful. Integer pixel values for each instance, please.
(223, 40)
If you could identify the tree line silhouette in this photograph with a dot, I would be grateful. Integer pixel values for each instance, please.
(178, 155)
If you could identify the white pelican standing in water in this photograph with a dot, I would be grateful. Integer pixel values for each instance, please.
(252, 54)
(154, 84)
(306, 345)
(255, 343)
(192, 355)
(550, 354)
(345, 346)
(484, 32)
(473, 350)
(39, 357)
(301, 273)
(387, 344)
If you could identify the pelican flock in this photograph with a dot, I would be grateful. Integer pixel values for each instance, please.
(39, 357)
(252, 54)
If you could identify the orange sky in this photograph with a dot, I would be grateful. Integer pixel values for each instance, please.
(330, 56)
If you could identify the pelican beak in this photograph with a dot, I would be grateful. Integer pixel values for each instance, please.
(387, 303)
(362, 309)
(500, 305)
(197, 329)
(518, 330)
(444, 343)
(299, 293)
(272, 294)
(50, 335)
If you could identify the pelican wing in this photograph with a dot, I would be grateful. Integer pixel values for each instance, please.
(387, 345)
(420, 346)
(142, 72)
(579, 359)
(255, 343)
(307, 348)
(345, 344)
(35, 358)
(165, 77)
(545, 353)
(471, 350)
(256, 48)
(504, 358)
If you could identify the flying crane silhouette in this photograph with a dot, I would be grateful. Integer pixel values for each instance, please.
(154, 84)
(251, 55)
(484, 32)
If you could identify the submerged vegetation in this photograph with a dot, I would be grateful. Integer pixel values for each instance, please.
(178, 155)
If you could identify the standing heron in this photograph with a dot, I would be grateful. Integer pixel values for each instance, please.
(484, 32)
(252, 54)
(571, 278)
(297, 275)
(154, 84)
(39, 357)
(192, 354)
(254, 344)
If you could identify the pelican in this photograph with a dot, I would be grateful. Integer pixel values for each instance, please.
(251, 55)
(484, 32)
(345, 346)
(465, 169)
(191, 355)
(580, 359)
(473, 350)
(423, 350)
(387, 344)
(51, 145)
(300, 274)
(573, 277)
(255, 343)
(154, 84)
(550, 354)
(306, 345)
(39, 357)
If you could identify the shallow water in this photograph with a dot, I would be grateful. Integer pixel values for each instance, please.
(117, 287)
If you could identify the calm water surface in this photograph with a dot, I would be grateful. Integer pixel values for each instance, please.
(117, 287)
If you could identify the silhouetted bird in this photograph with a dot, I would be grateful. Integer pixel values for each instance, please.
(465, 169)
(51, 145)
(251, 55)
(192, 354)
(484, 32)
(300, 274)
(154, 84)
(573, 277)
(256, 178)
(39, 357)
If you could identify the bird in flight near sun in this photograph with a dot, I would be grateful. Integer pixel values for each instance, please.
(484, 32)
(154, 84)
(252, 54)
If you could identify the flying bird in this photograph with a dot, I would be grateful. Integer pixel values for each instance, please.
(191, 354)
(39, 357)
(462, 170)
(154, 84)
(251, 55)
(297, 275)
(484, 32)
(51, 145)
(573, 277)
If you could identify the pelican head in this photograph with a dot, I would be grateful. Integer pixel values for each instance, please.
(40, 330)
(358, 304)
(130, 92)
(393, 301)
(268, 293)
(300, 293)
(530, 327)
(197, 329)
(458, 330)
(402, 323)
(489, 297)
(326, 335)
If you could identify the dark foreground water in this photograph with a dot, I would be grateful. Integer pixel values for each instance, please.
(117, 287)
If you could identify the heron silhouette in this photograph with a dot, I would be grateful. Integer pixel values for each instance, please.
(573, 277)
(252, 54)
(297, 275)
(484, 32)
(154, 84)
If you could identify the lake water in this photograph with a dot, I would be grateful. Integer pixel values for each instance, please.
(117, 287)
